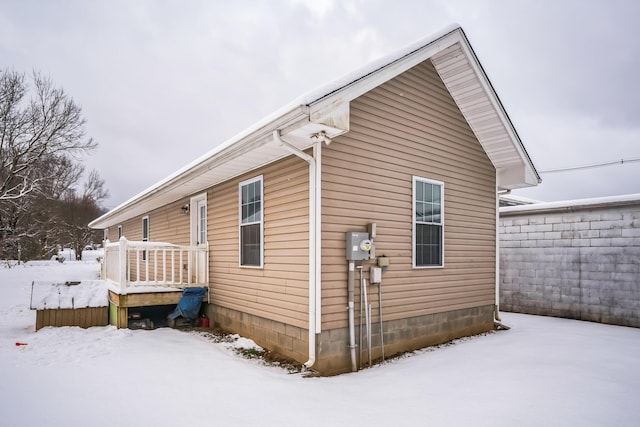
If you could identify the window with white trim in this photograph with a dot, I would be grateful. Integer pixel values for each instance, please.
(201, 226)
(119, 232)
(145, 234)
(428, 223)
(251, 222)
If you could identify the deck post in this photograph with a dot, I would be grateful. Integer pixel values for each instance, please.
(104, 268)
(122, 273)
(206, 270)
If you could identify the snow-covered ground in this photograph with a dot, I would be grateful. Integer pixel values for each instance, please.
(542, 372)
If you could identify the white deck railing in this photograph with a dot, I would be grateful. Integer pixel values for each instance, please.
(133, 264)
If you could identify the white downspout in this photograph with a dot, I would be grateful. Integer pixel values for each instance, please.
(497, 309)
(313, 240)
(317, 154)
(496, 314)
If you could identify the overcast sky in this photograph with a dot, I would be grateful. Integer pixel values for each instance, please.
(162, 82)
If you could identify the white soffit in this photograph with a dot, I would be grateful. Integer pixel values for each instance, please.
(471, 90)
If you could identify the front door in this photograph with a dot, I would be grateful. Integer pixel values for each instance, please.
(198, 210)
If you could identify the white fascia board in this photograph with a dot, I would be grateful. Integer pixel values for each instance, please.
(515, 176)
(335, 117)
(498, 107)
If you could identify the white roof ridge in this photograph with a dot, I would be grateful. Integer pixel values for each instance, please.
(371, 67)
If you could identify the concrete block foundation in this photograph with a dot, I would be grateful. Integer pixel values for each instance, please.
(334, 356)
(332, 351)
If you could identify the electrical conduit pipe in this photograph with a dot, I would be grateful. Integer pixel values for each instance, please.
(352, 330)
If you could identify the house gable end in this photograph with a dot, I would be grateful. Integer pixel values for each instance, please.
(409, 127)
(470, 88)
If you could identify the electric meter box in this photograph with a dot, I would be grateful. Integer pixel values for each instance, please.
(358, 245)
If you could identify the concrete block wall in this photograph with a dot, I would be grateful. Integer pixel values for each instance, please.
(579, 260)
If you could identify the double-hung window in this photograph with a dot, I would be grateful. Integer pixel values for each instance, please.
(251, 223)
(428, 220)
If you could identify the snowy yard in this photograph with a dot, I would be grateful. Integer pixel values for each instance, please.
(543, 372)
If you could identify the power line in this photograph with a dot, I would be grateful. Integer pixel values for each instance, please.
(591, 166)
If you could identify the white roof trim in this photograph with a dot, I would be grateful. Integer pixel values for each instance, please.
(572, 205)
(327, 109)
(472, 91)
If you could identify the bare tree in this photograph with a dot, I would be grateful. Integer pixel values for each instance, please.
(31, 223)
(42, 135)
(48, 125)
(94, 189)
(75, 211)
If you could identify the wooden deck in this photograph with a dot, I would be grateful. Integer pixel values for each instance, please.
(133, 264)
(147, 274)
(145, 299)
(119, 304)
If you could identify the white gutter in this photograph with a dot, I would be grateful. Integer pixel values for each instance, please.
(314, 227)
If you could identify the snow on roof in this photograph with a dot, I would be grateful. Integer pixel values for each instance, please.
(518, 200)
(141, 288)
(574, 204)
(373, 66)
(54, 295)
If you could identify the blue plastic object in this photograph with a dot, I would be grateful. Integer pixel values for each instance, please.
(189, 304)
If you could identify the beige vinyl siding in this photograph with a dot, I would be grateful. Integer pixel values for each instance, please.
(409, 126)
(166, 224)
(279, 290)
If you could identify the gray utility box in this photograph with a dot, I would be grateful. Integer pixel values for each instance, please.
(358, 245)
